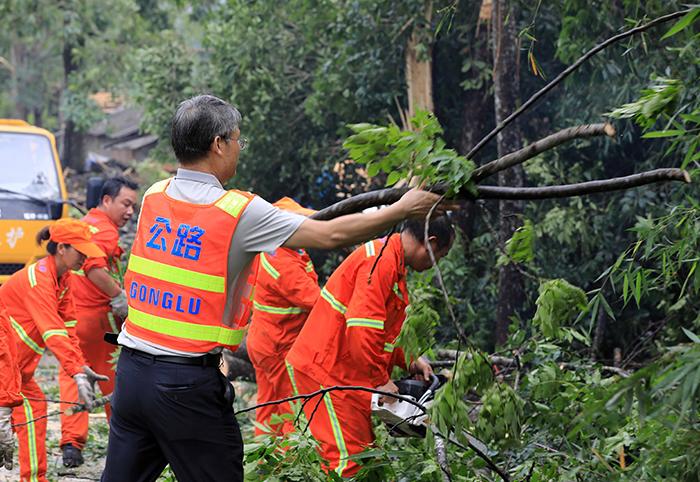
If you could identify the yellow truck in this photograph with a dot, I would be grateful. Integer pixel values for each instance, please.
(32, 192)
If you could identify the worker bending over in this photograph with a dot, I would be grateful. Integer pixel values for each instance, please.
(38, 304)
(285, 291)
(349, 337)
(95, 289)
(189, 285)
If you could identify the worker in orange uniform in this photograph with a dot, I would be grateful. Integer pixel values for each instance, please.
(349, 338)
(37, 303)
(285, 291)
(10, 382)
(96, 292)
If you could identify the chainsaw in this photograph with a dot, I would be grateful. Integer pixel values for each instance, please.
(404, 419)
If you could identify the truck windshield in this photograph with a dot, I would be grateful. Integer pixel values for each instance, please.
(27, 166)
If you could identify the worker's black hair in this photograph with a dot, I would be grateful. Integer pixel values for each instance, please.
(440, 227)
(197, 121)
(113, 186)
(44, 235)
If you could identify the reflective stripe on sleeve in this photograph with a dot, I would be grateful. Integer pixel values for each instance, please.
(183, 329)
(309, 267)
(268, 267)
(179, 276)
(232, 203)
(71, 323)
(39, 350)
(31, 273)
(292, 310)
(49, 333)
(365, 323)
(369, 249)
(79, 272)
(389, 347)
(335, 304)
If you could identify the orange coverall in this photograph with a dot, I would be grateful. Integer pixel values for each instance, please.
(348, 339)
(38, 305)
(285, 291)
(94, 317)
(10, 379)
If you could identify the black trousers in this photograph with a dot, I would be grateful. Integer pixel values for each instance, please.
(164, 413)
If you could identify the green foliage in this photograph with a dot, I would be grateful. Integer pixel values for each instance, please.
(520, 248)
(293, 457)
(659, 98)
(417, 335)
(500, 417)
(164, 76)
(404, 154)
(558, 302)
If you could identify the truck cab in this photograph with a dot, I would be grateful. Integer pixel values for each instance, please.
(32, 192)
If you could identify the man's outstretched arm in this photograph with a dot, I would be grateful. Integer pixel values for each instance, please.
(355, 228)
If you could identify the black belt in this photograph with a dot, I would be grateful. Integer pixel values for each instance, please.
(202, 361)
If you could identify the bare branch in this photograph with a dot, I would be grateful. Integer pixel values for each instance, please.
(584, 188)
(536, 96)
(542, 145)
(365, 200)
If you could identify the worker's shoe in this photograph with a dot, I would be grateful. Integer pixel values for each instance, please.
(72, 456)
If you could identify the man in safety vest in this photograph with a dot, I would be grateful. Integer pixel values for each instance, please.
(95, 289)
(189, 284)
(10, 385)
(349, 338)
(285, 291)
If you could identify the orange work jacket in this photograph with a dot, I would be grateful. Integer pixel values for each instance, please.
(10, 379)
(285, 291)
(39, 307)
(349, 336)
(177, 282)
(86, 295)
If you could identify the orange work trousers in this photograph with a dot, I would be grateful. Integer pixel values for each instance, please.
(341, 422)
(30, 425)
(90, 330)
(275, 379)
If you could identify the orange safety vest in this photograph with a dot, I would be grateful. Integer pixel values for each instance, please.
(176, 282)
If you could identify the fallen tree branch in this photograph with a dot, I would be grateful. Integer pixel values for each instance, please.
(584, 188)
(564, 74)
(381, 197)
(446, 357)
(542, 145)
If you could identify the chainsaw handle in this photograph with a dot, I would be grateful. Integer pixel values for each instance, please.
(434, 384)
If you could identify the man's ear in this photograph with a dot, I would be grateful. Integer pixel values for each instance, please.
(216, 145)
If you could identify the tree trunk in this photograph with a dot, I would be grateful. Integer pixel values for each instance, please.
(419, 73)
(73, 154)
(506, 78)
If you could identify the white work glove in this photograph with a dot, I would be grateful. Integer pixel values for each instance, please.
(7, 444)
(120, 307)
(86, 385)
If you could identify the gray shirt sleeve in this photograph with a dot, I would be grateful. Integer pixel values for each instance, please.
(264, 228)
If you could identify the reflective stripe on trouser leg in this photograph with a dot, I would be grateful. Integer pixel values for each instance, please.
(337, 434)
(31, 441)
(290, 372)
(31, 437)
